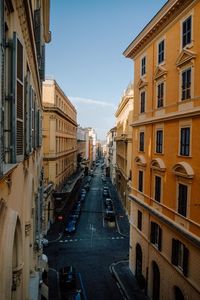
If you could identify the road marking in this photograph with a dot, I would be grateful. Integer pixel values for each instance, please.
(97, 239)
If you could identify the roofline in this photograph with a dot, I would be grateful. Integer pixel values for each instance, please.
(161, 17)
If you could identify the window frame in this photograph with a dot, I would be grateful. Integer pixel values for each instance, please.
(184, 214)
(140, 184)
(156, 235)
(182, 146)
(142, 102)
(160, 83)
(141, 149)
(139, 220)
(163, 40)
(186, 90)
(188, 44)
(159, 145)
(143, 67)
(155, 188)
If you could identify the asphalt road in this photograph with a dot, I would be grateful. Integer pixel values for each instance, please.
(91, 250)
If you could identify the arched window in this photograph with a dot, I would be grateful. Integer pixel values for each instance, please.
(178, 295)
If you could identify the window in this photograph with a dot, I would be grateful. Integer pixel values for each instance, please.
(157, 195)
(139, 220)
(141, 148)
(182, 199)
(187, 31)
(143, 66)
(140, 181)
(159, 141)
(156, 235)
(161, 51)
(186, 84)
(160, 94)
(142, 102)
(185, 141)
(180, 256)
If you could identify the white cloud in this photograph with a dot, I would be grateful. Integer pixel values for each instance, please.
(91, 101)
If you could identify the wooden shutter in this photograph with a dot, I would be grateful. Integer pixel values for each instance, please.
(174, 257)
(33, 119)
(160, 239)
(185, 261)
(27, 107)
(30, 119)
(18, 97)
(40, 127)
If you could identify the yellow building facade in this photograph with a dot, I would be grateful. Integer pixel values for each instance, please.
(124, 146)
(165, 197)
(59, 134)
(24, 29)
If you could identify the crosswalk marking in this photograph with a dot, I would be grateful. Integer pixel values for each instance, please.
(79, 240)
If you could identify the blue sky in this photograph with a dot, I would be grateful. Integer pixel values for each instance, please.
(85, 54)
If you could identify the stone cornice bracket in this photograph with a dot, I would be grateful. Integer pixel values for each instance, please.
(185, 57)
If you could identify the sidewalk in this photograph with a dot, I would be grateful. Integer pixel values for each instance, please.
(122, 219)
(127, 281)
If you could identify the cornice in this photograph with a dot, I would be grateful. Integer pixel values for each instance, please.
(164, 16)
(181, 230)
(51, 109)
(172, 116)
(123, 104)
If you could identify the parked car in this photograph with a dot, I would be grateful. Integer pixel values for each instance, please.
(83, 191)
(67, 278)
(108, 202)
(70, 227)
(87, 186)
(82, 198)
(106, 192)
(109, 216)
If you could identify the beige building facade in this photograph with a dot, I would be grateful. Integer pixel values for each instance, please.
(124, 145)
(59, 134)
(24, 29)
(165, 205)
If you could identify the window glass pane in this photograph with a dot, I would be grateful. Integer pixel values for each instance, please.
(182, 200)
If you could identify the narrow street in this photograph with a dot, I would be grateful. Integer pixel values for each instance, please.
(93, 248)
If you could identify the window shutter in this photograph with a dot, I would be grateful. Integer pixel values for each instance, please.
(27, 114)
(33, 119)
(37, 29)
(36, 126)
(185, 261)
(18, 97)
(40, 127)
(174, 257)
(160, 239)
(30, 119)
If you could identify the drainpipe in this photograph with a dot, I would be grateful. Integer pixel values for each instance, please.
(1, 82)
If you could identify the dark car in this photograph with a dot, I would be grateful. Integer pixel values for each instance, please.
(70, 227)
(67, 278)
(108, 202)
(109, 216)
(87, 186)
(106, 192)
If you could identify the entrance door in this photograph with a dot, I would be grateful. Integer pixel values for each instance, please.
(156, 282)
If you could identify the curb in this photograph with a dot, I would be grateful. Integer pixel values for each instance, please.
(120, 286)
